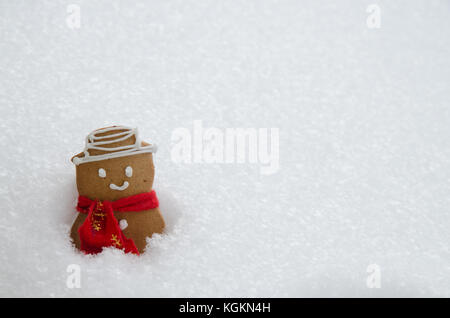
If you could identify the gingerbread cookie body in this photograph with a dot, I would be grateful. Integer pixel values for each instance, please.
(117, 206)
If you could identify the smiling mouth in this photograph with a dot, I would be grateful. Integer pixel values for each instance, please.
(121, 188)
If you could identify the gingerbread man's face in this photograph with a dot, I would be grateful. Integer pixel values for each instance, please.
(116, 178)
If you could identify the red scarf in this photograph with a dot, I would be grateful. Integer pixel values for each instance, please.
(101, 228)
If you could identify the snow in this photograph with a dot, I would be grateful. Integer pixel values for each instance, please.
(364, 123)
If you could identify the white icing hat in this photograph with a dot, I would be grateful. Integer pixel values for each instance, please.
(93, 141)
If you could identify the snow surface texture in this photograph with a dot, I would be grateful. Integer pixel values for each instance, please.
(364, 125)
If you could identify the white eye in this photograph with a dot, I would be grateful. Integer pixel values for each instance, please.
(101, 173)
(128, 171)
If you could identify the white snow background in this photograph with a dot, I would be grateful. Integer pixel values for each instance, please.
(364, 125)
